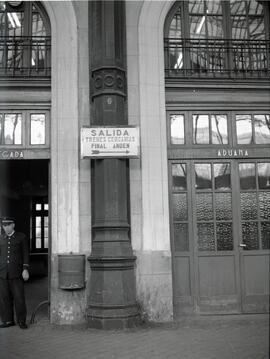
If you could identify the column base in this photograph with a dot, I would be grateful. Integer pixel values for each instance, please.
(100, 321)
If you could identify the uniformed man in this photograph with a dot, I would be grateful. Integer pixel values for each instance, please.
(14, 264)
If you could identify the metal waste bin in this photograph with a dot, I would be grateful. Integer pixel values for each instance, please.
(71, 271)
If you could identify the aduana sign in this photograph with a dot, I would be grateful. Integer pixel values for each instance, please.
(110, 142)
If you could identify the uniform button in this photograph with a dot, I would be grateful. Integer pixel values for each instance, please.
(7, 261)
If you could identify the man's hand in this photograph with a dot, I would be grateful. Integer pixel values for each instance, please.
(25, 275)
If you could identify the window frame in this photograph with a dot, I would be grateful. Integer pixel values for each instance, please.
(25, 40)
(227, 53)
(26, 128)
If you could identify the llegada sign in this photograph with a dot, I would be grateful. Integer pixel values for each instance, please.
(110, 142)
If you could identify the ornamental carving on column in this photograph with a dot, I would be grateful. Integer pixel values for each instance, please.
(108, 81)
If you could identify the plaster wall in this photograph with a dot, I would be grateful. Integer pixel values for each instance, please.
(148, 179)
(70, 211)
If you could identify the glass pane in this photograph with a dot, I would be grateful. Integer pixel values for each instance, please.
(38, 243)
(181, 237)
(213, 7)
(264, 175)
(38, 55)
(223, 203)
(15, 24)
(244, 129)
(197, 26)
(175, 27)
(38, 207)
(13, 129)
(264, 204)
(219, 129)
(265, 233)
(38, 221)
(46, 232)
(262, 129)
(204, 206)
(196, 6)
(38, 232)
(239, 28)
(177, 129)
(179, 206)
(46, 242)
(250, 235)
(238, 7)
(248, 205)
(224, 237)
(256, 28)
(247, 175)
(46, 206)
(200, 129)
(206, 238)
(222, 175)
(255, 7)
(37, 129)
(203, 176)
(46, 221)
(38, 27)
(179, 176)
(215, 27)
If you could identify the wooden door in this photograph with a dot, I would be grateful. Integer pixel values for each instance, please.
(220, 235)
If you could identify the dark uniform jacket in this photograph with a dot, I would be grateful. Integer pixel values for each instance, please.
(14, 255)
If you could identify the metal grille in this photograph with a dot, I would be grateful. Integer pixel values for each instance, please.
(216, 58)
(25, 56)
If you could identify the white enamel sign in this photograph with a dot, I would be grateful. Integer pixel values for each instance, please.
(106, 142)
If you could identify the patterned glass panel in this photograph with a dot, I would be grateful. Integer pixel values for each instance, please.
(248, 205)
(179, 206)
(200, 129)
(37, 129)
(204, 206)
(177, 129)
(264, 204)
(244, 129)
(203, 176)
(264, 175)
(219, 129)
(222, 175)
(206, 237)
(250, 235)
(224, 237)
(13, 129)
(181, 237)
(247, 175)
(179, 176)
(265, 234)
(262, 129)
(223, 206)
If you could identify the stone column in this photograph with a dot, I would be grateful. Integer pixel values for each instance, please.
(112, 289)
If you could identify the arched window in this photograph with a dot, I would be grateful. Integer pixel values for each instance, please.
(25, 40)
(217, 38)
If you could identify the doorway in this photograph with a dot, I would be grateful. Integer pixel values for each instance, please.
(221, 230)
(24, 194)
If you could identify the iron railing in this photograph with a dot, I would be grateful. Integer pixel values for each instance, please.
(25, 56)
(216, 58)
